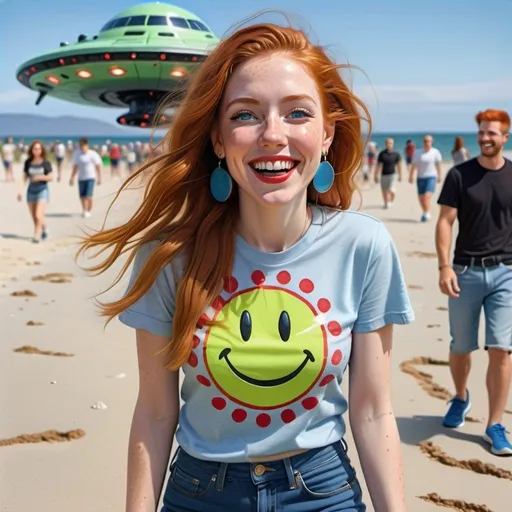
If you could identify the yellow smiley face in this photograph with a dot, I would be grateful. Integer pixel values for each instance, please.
(267, 349)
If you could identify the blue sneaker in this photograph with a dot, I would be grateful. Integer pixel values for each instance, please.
(44, 235)
(496, 436)
(457, 412)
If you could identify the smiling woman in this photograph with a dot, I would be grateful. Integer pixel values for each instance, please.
(251, 275)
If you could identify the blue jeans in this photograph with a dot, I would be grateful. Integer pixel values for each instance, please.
(490, 288)
(426, 185)
(319, 479)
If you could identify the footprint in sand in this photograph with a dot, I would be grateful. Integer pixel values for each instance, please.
(31, 323)
(434, 452)
(415, 287)
(27, 349)
(55, 277)
(33, 263)
(442, 308)
(24, 293)
(459, 505)
(422, 254)
(432, 326)
(50, 436)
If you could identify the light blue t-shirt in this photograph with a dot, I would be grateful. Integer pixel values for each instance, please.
(265, 378)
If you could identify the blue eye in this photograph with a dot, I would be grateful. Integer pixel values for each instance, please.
(242, 116)
(300, 114)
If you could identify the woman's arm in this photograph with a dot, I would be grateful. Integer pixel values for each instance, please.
(153, 425)
(372, 420)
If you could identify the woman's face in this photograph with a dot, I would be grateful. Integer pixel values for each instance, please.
(37, 150)
(271, 129)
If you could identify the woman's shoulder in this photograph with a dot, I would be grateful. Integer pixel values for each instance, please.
(352, 224)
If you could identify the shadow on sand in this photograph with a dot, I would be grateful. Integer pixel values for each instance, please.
(420, 428)
(402, 221)
(60, 215)
(12, 236)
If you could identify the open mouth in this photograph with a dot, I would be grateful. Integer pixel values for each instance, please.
(276, 171)
(270, 382)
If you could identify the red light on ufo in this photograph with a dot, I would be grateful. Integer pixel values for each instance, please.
(143, 125)
(83, 73)
(53, 79)
(107, 56)
(20, 78)
(33, 69)
(133, 55)
(194, 58)
(117, 71)
(146, 116)
(163, 56)
(122, 120)
(73, 60)
(62, 62)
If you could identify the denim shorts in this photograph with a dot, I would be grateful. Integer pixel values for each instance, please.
(487, 288)
(426, 185)
(318, 479)
(86, 187)
(39, 196)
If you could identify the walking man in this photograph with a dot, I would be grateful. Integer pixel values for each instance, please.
(427, 161)
(388, 166)
(478, 193)
(87, 164)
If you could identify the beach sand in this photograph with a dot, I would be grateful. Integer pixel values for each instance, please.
(51, 396)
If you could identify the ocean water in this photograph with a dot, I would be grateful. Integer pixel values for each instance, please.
(442, 141)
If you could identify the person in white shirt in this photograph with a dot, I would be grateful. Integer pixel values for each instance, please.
(8, 153)
(87, 164)
(427, 162)
(60, 153)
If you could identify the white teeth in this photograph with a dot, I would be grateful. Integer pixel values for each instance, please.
(273, 166)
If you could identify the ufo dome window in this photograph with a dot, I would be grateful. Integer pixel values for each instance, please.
(157, 20)
(179, 22)
(136, 21)
(107, 25)
(120, 22)
(197, 25)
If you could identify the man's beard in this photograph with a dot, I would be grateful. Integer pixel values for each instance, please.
(490, 152)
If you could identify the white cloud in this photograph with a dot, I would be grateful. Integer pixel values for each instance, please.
(497, 91)
(15, 97)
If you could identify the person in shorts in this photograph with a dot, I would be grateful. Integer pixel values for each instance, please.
(87, 164)
(427, 162)
(478, 193)
(388, 168)
(8, 154)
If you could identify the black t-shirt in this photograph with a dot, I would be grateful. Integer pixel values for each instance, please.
(388, 159)
(483, 199)
(31, 170)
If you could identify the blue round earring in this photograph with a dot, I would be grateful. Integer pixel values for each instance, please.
(324, 176)
(221, 184)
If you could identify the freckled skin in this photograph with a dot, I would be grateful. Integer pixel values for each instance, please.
(274, 127)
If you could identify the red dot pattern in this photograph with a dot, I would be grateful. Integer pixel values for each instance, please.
(230, 284)
(310, 403)
(258, 277)
(239, 415)
(284, 277)
(324, 305)
(306, 285)
(336, 357)
(195, 342)
(288, 416)
(263, 420)
(218, 303)
(326, 380)
(203, 380)
(218, 403)
(192, 360)
(334, 328)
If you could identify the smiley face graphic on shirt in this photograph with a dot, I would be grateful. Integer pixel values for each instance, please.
(267, 347)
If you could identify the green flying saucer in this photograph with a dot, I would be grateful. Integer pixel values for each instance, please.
(138, 57)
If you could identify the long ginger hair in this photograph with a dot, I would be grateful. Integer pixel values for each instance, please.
(178, 208)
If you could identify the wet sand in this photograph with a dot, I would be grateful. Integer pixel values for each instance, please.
(69, 386)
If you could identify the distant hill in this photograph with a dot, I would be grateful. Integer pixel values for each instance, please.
(29, 125)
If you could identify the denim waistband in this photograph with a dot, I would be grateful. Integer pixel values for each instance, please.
(260, 472)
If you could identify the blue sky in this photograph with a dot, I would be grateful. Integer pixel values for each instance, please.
(428, 65)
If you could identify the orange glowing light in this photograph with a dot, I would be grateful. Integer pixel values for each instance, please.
(83, 73)
(53, 79)
(117, 71)
(162, 56)
(178, 73)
